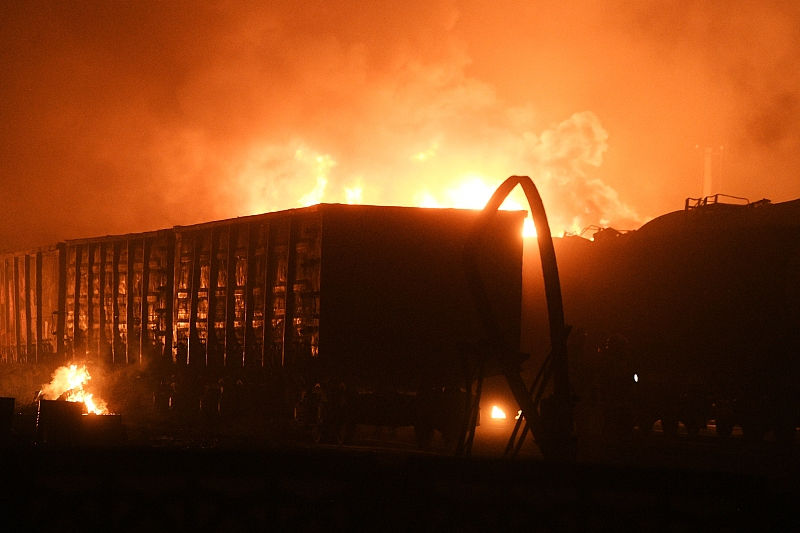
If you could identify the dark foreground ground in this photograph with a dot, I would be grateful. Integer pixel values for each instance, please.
(331, 488)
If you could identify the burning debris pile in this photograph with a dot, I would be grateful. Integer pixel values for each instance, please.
(68, 384)
(61, 404)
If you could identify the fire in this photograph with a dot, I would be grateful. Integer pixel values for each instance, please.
(497, 413)
(68, 384)
(434, 169)
(472, 192)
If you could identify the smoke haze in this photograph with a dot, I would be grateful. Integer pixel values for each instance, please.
(130, 116)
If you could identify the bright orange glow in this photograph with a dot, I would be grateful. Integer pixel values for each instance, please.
(497, 413)
(354, 195)
(68, 384)
(436, 172)
(473, 192)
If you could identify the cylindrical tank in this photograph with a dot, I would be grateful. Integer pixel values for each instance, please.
(707, 300)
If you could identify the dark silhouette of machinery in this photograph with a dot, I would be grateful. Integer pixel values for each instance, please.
(693, 317)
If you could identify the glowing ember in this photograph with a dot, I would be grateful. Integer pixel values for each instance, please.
(498, 413)
(68, 384)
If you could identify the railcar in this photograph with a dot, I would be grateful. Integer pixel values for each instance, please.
(692, 318)
(332, 305)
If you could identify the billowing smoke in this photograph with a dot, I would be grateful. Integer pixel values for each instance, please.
(122, 117)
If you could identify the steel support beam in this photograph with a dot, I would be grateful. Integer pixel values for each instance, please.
(169, 296)
(61, 326)
(193, 353)
(29, 345)
(116, 341)
(129, 326)
(230, 300)
(38, 304)
(144, 323)
(17, 329)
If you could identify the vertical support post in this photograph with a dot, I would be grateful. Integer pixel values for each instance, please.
(4, 290)
(213, 272)
(169, 297)
(252, 235)
(61, 313)
(17, 330)
(266, 331)
(129, 345)
(230, 298)
(194, 287)
(90, 339)
(29, 348)
(76, 303)
(287, 353)
(144, 336)
(116, 357)
(38, 303)
(102, 342)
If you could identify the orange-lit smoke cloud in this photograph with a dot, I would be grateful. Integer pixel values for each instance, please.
(133, 116)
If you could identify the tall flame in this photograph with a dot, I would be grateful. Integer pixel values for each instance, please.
(447, 172)
(472, 192)
(68, 383)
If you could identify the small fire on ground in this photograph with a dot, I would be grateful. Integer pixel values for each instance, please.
(68, 384)
(498, 413)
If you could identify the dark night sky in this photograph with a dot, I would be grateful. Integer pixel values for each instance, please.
(130, 116)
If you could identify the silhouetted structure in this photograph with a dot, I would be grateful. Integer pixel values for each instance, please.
(691, 318)
(316, 307)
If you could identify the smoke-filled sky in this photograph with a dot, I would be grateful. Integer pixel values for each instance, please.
(131, 116)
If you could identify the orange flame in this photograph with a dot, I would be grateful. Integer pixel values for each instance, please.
(473, 192)
(68, 384)
(498, 413)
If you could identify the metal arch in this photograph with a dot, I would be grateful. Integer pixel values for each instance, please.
(551, 426)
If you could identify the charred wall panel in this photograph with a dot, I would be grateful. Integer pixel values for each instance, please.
(29, 310)
(306, 288)
(256, 299)
(71, 303)
(156, 316)
(246, 291)
(195, 339)
(9, 340)
(84, 269)
(50, 310)
(183, 296)
(19, 308)
(277, 275)
(115, 297)
(396, 309)
(26, 304)
(135, 259)
(255, 294)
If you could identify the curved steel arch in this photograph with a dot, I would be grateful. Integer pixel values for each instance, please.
(548, 419)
